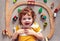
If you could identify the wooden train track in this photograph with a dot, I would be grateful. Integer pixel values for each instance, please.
(9, 14)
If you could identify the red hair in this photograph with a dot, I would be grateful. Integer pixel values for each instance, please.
(25, 11)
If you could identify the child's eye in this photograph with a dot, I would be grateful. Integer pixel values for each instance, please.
(29, 18)
(24, 18)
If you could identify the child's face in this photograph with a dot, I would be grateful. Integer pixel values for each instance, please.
(27, 20)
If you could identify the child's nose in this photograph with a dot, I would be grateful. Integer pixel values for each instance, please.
(27, 20)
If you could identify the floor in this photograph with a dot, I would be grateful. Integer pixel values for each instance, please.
(56, 35)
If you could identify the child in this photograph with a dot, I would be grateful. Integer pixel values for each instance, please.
(26, 31)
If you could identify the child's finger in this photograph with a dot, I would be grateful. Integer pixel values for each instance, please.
(25, 30)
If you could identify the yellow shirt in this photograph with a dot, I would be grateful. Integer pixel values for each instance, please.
(25, 37)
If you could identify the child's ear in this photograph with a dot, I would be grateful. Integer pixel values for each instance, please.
(35, 17)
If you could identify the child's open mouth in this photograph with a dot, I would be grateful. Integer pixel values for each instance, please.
(26, 23)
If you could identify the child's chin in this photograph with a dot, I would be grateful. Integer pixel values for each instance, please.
(27, 26)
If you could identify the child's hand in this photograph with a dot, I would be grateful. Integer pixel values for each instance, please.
(29, 31)
(21, 31)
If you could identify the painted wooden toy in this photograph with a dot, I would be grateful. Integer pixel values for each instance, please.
(44, 25)
(40, 10)
(4, 32)
(31, 2)
(15, 18)
(14, 1)
(43, 16)
(54, 15)
(56, 11)
(45, 1)
(57, 8)
(19, 10)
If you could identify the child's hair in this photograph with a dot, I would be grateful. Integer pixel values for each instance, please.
(25, 11)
